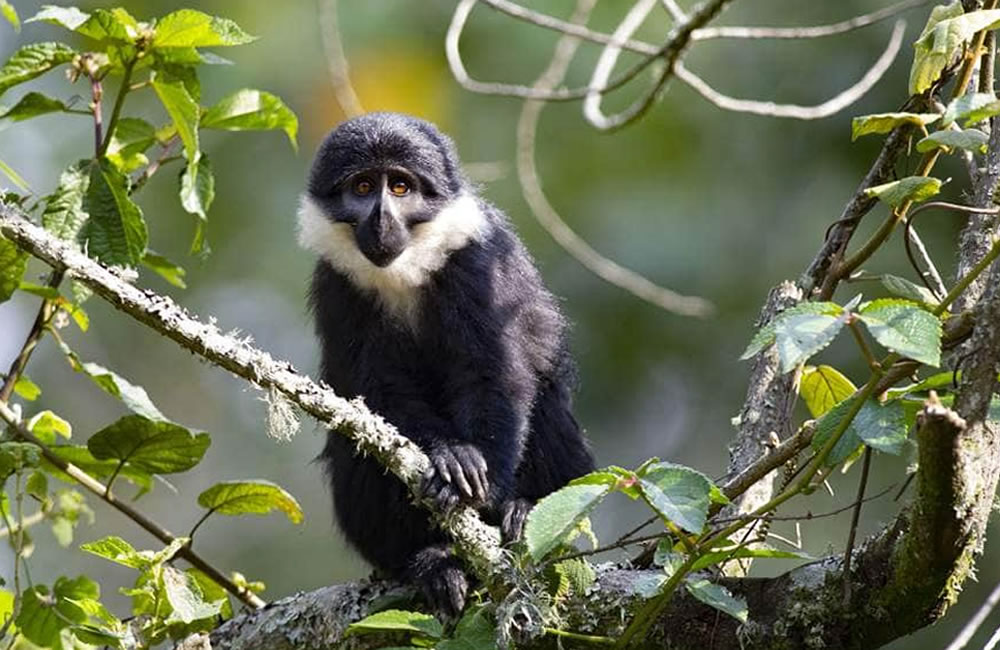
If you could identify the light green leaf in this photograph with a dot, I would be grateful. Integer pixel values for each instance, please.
(183, 111)
(46, 425)
(27, 389)
(133, 396)
(823, 387)
(939, 43)
(32, 105)
(116, 550)
(972, 140)
(115, 232)
(906, 289)
(249, 109)
(904, 327)
(718, 597)
(399, 621)
(935, 381)
(715, 557)
(198, 187)
(677, 493)
(44, 614)
(257, 497)
(129, 142)
(13, 262)
(64, 215)
(100, 469)
(14, 177)
(166, 269)
(799, 337)
(69, 17)
(185, 597)
(17, 456)
(115, 25)
(37, 485)
(647, 584)
(212, 592)
(885, 122)
(557, 515)
(152, 446)
(10, 13)
(971, 107)
(765, 336)
(190, 28)
(32, 61)
(911, 188)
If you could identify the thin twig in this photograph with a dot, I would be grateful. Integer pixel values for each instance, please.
(970, 628)
(795, 111)
(855, 517)
(336, 61)
(674, 10)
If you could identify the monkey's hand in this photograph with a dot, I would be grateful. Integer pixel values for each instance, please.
(457, 476)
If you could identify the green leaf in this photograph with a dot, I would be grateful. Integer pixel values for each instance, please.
(183, 111)
(935, 381)
(718, 597)
(10, 13)
(911, 188)
(116, 26)
(13, 262)
(557, 515)
(906, 289)
(825, 428)
(800, 336)
(249, 109)
(677, 493)
(27, 389)
(129, 142)
(37, 485)
(45, 615)
(198, 187)
(64, 215)
(715, 557)
(823, 387)
(765, 336)
(647, 585)
(46, 425)
(17, 456)
(398, 620)
(117, 550)
(212, 592)
(190, 28)
(885, 122)
(971, 107)
(257, 497)
(185, 597)
(116, 232)
(32, 105)
(32, 61)
(882, 426)
(153, 446)
(100, 469)
(947, 31)
(972, 140)
(474, 631)
(69, 17)
(14, 177)
(166, 269)
(905, 328)
(133, 396)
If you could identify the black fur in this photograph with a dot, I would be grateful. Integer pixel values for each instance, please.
(482, 382)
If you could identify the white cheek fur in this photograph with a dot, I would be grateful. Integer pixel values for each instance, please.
(397, 285)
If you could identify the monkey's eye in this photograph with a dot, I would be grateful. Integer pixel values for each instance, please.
(363, 187)
(399, 187)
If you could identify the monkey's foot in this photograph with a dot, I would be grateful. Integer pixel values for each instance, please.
(457, 475)
(439, 576)
(515, 512)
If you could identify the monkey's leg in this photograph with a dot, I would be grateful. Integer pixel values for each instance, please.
(439, 575)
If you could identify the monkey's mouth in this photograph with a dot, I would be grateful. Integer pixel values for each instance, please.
(381, 257)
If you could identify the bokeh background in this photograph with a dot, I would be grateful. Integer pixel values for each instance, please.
(710, 203)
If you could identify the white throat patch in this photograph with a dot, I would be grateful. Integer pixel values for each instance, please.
(398, 284)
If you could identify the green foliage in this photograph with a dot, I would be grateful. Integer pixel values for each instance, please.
(33, 105)
(910, 189)
(166, 269)
(947, 31)
(904, 327)
(115, 232)
(13, 261)
(678, 494)
(822, 387)
(256, 497)
(972, 108)
(886, 122)
(395, 620)
(46, 613)
(556, 516)
(33, 61)
(46, 425)
(151, 446)
(972, 140)
(252, 110)
(718, 597)
(882, 427)
(767, 335)
(906, 289)
(8, 11)
(27, 389)
(64, 214)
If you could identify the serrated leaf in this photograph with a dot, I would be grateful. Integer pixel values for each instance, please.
(800, 336)
(184, 113)
(399, 621)
(44, 614)
(718, 597)
(116, 231)
(46, 425)
(250, 109)
(677, 493)
(69, 17)
(911, 188)
(764, 337)
(27, 389)
(473, 632)
(10, 13)
(947, 31)
(881, 426)
(64, 215)
(212, 592)
(823, 387)
(129, 142)
(31, 61)
(116, 25)
(198, 187)
(647, 584)
(972, 140)
(134, 397)
(13, 262)
(32, 105)
(971, 107)
(166, 269)
(117, 550)
(905, 328)
(100, 469)
(556, 516)
(716, 557)
(185, 597)
(906, 289)
(825, 427)
(152, 446)
(257, 497)
(190, 28)
(885, 122)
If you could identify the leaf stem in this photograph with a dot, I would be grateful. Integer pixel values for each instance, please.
(866, 351)
(585, 638)
(974, 273)
(117, 109)
(645, 617)
(45, 313)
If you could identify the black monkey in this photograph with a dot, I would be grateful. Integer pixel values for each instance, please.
(428, 305)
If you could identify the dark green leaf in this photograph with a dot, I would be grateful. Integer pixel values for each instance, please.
(100, 469)
(129, 142)
(906, 289)
(152, 446)
(939, 44)
(252, 110)
(822, 387)
(183, 111)
(677, 493)
(37, 485)
(32, 61)
(45, 614)
(27, 389)
(474, 631)
(166, 269)
(885, 122)
(185, 597)
(256, 497)
(911, 188)
(765, 336)
(881, 427)
(190, 28)
(718, 597)
(69, 17)
(557, 515)
(116, 232)
(17, 456)
(64, 215)
(13, 262)
(972, 107)
(904, 327)
(825, 428)
(972, 140)
(398, 620)
(33, 105)
(198, 187)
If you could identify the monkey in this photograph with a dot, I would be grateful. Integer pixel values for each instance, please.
(427, 304)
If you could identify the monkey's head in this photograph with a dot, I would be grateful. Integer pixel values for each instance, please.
(376, 179)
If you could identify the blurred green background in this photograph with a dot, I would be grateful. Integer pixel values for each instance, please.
(707, 202)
